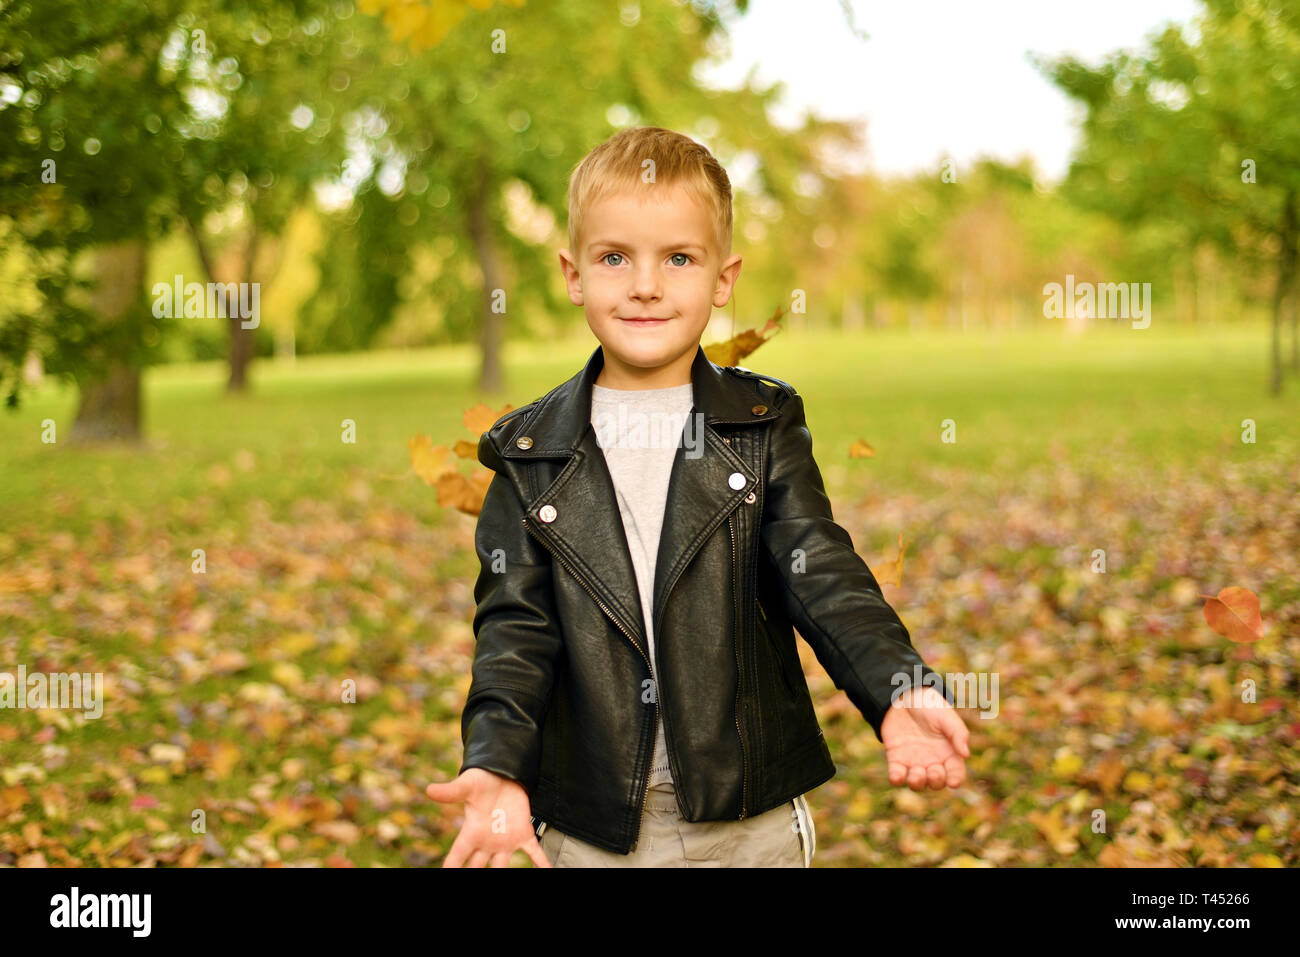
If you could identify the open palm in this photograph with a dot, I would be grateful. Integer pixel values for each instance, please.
(926, 741)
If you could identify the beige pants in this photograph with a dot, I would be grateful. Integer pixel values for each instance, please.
(781, 837)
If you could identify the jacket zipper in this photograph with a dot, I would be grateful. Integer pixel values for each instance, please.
(740, 674)
(654, 705)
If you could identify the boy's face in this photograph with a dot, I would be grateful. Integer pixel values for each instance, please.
(655, 256)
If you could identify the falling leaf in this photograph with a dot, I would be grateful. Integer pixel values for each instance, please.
(859, 449)
(482, 417)
(891, 572)
(428, 461)
(464, 492)
(1234, 614)
(433, 464)
(730, 352)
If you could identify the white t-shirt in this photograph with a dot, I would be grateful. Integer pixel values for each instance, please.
(639, 431)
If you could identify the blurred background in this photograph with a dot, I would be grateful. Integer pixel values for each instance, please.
(1036, 265)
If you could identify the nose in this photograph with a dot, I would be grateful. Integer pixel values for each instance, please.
(646, 283)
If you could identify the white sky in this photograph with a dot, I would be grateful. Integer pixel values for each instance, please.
(937, 78)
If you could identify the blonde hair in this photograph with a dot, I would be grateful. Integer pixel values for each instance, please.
(619, 164)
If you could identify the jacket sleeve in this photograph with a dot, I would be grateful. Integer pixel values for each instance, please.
(828, 591)
(517, 637)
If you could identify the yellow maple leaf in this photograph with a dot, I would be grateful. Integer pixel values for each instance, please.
(429, 461)
(482, 417)
(433, 463)
(464, 492)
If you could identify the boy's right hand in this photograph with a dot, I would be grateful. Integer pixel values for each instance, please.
(498, 819)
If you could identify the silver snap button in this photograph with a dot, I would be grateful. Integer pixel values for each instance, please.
(736, 480)
(546, 513)
(749, 499)
(524, 442)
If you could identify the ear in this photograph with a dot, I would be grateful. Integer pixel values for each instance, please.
(727, 277)
(572, 277)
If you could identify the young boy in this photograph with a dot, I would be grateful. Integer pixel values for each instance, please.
(656, 529)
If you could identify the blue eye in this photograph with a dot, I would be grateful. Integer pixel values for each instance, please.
(607, 255)
(684, 256)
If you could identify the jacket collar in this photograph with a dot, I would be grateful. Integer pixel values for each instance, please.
(557, 425)
(585, 528)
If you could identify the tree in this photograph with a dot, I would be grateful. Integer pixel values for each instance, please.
(1202, 132)
(487, 108)
(270, 76)
(121, 123)
(87, 118)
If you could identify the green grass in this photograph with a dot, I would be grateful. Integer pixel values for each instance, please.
(1152, 398)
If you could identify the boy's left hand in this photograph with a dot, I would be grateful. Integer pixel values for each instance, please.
(925, 741)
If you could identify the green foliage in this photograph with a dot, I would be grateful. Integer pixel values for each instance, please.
(1200, 132)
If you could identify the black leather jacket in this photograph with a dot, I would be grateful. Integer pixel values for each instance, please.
(561, 699)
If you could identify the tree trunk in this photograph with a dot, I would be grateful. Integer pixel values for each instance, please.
(492, 334)
(241, 354)
(241, 270)
(241, 339)
(109, 404)
(1295, 324)
(1285, 274)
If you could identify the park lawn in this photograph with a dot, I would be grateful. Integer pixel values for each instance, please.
(329, 567)
(1151, 398)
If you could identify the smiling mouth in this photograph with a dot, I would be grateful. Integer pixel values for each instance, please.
(645, 320)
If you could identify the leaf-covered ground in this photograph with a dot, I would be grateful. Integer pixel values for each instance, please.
(327, 563)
